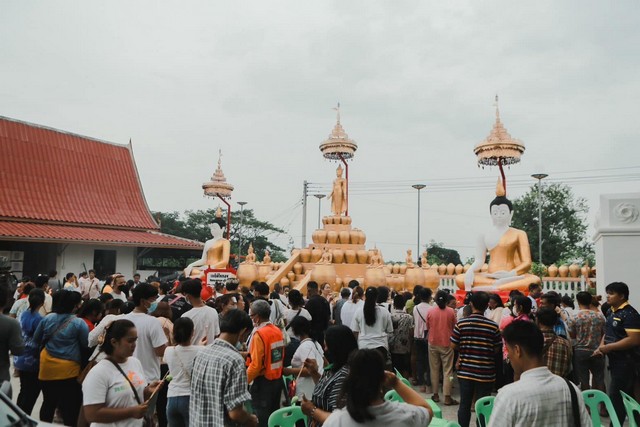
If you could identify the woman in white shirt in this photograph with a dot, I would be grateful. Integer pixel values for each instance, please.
(180, 360)
(308, 349)
(350, 307)
(114, 392)
(372, 324)
(297, 310)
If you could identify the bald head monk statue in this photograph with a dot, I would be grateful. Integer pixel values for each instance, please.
(510, 259)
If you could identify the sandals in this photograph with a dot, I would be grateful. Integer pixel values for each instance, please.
(450, 402)
(435, 398)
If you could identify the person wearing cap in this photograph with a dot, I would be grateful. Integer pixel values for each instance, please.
(265, 362)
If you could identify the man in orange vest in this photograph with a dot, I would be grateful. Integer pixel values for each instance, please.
(265, 362)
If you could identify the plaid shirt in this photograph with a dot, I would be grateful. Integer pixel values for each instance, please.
(557, 356)
(218, 385)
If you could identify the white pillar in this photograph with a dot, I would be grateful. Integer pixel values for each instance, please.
(617, 243)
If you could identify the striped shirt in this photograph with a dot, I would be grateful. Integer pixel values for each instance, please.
(477, 338)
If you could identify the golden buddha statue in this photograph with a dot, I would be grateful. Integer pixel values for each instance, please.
(423, 259)
(215, 254)
(338, 195)
(251, 256)
(409, 259)
(267, 257)
(327, 257)
(376, 259)
(509, 249)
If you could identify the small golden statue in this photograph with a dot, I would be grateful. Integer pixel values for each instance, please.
(376, 259)
(423, 260)
(267, 257)
(216, 251)
(409, 259)
(509, 249)
(251, 257)
(338, 195)
(327, 257)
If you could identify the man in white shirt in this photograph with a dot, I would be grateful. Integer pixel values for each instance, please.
(537, 397)
(151, 338)
(423, 375)
(93, 286)
(205, 318)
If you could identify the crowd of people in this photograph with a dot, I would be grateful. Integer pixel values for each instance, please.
(133, 353)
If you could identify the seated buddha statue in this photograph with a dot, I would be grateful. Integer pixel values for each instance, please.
(251, 256)
(215, 254)
(267, 257)
(510, 254)
(409, 259)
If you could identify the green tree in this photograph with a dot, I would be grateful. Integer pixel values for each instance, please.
(564, 227)
(438, 254)
(194, 225)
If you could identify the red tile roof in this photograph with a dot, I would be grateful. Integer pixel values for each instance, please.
(54, 176)
(24, 231)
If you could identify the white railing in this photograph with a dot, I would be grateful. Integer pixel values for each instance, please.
(563, 285)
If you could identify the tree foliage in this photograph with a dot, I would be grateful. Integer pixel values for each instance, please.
(564, 226)
(247, 228)
(438, 254)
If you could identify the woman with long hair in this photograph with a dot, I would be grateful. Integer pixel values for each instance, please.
(363, 391)
(63, 338)
(494, 312)
(339, 344)
(373, 324)
(440, 323)
(27, 364)
(115, 390)
(180, 360)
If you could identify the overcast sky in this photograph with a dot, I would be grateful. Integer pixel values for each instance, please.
(416, 81)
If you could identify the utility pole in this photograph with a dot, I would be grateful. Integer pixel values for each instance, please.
(304, 214)
(539, 177)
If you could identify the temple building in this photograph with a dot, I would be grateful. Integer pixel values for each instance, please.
(73, 203)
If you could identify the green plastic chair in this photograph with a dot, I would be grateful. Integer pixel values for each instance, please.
(393, 396)
(287, 417)
(484, 407)
(632, 407)
(593, 399)
(439, 422)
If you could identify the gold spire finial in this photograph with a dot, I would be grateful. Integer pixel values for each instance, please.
(497, 109)
(500, 191)
(219, 212)
(219, 158)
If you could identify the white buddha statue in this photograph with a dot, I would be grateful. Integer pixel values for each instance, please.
(509, 249)
(216, 251)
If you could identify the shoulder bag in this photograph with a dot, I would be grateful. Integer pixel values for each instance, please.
(60, 327)
(148, 420)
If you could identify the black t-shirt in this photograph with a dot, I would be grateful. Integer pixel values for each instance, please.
(179, 305)
(320, 312)
(619, 322)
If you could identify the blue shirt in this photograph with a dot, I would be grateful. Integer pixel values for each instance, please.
(65, 343)
(29, 359)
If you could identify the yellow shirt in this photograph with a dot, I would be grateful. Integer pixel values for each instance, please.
(52, 368)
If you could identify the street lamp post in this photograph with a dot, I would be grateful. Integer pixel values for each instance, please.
(539, 177)
(319, 197)
(240, 229)
(418, 187)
